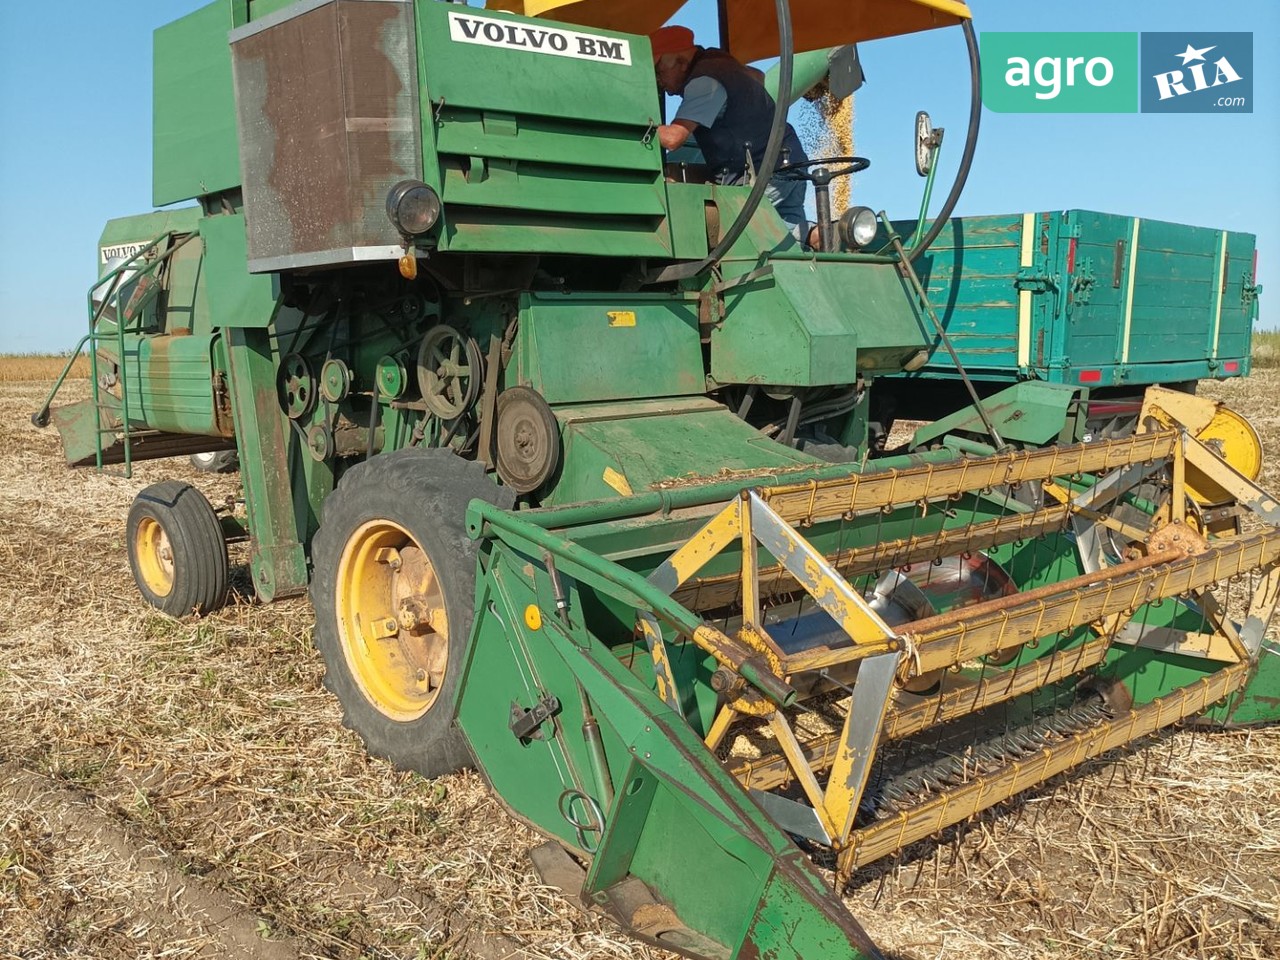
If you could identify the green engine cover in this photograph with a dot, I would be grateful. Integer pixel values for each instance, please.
(812, 324)
(585, 349)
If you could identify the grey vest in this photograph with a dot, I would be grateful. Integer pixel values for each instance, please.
(745, 122)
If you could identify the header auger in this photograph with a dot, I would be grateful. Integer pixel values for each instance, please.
(583, 464)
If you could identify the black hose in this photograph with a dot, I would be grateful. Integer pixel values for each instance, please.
(970, 143)
(772, 153)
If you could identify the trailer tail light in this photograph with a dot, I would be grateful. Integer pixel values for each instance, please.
(1231, 366)
(1071, 256)
(1090, 376)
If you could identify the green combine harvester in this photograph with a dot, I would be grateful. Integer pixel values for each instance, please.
(578, 465)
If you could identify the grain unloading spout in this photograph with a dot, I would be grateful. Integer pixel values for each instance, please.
(858, 662)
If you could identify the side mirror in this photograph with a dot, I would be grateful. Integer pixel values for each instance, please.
(927, 141)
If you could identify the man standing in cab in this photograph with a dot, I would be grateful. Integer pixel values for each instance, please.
(729, 113)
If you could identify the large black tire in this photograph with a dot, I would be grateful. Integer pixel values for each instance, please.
(177, 552)
(216, 461)
(393, 697)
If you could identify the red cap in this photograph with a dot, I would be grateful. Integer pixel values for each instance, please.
(671, 40)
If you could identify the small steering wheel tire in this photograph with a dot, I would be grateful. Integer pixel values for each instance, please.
(177, 553)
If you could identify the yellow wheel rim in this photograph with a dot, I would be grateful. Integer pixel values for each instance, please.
(391, 620)
(154, 555)
(1231, 437)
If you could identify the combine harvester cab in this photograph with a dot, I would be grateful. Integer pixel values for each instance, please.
(430, 278)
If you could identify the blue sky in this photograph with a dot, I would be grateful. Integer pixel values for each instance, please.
(75, 88)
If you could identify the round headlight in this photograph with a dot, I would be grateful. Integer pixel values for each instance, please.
(413, 207)
(858, 227)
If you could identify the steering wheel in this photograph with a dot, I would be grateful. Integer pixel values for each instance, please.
(828, 169)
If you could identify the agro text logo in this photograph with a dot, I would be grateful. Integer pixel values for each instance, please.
(1060, 72)
(1197, 73)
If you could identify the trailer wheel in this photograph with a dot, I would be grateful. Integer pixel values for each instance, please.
(393, 588)
(216, 461)
(176, 549)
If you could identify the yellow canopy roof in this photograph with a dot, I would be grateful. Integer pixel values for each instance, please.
(753, 29)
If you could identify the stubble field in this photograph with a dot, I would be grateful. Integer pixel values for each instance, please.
(184, 789)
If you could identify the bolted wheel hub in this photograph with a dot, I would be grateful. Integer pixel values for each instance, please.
(155, 556)
(391, 620)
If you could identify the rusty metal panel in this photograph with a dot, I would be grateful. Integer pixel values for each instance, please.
(327, 107)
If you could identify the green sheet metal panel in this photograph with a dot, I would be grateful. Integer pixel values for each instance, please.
(237, 298)
(83, 425)
(815, 324)
(1031, 412)
(123, 237)
(196, 151)
(529, 71)
(872, 298)
(186, 300)
(578, 349)
(766, 231)
(612, 448)
(170, 384)
(554, 152)
(553, 189)
(687, 204)
(487, 133)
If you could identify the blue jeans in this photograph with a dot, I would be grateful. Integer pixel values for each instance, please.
(787, 197)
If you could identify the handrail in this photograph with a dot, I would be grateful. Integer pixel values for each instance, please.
(41, 417)
(112, 279)
(115, 277)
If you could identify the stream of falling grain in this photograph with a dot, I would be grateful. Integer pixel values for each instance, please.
(827, 131)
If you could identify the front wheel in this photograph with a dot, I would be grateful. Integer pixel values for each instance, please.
(393, 589)
(177, 552)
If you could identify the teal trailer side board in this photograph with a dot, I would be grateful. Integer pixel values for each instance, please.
(1091, 299)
